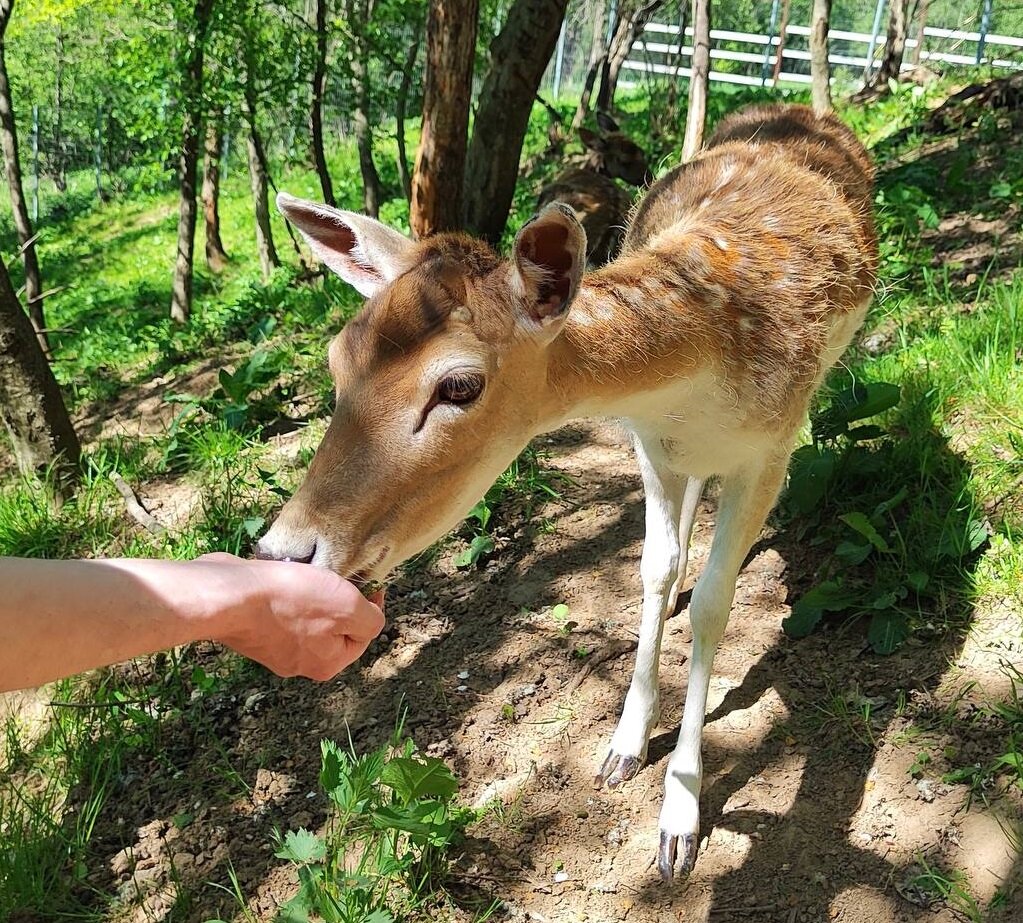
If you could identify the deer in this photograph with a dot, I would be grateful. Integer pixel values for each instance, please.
(744, 275)
(589, 188)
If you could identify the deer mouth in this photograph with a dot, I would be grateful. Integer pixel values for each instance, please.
(364, 580)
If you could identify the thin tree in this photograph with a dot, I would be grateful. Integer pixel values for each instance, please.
(216, 255)
(191, 107)
(894, 47)
(820, 69)
(518, 57)
(401, 107)
(920, 31)
(630, 21)
(597, 14)
(779, 54)
(19, 204)
(259, 175)
(360, 13)
(31, 405)
(316, 106)
(440, 159)
(696, 116)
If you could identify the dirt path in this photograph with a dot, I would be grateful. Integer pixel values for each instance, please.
(810, 812)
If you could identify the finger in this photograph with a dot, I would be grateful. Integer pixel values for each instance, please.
(365, 622)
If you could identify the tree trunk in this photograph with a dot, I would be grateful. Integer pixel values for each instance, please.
(820, 69)
(401, 109)
(696, 116)
(440, 160)
(59, 160)
(191, 103)
(19, 205)
(895, 46)
(316, 109)
(260, 182)
(31, 405)
(364, 132)
(598, 54)
(783, 26)
(216, 256)
(629, 25)
(921, 25)
(518, 58)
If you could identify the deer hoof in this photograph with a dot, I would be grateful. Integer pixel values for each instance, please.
(669, 850)
(617, 769)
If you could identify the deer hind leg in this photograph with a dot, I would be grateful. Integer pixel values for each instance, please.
(670, 511)
(746, 499)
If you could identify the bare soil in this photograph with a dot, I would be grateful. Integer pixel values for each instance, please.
(808, 816)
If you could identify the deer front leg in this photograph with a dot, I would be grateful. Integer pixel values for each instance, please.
(745, 501)
(668, 515)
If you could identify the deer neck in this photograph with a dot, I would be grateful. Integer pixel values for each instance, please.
(630, 331)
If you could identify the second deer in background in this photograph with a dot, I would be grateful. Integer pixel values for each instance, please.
(588, 187)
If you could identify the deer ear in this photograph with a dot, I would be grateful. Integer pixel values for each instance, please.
(365, 253)
(606, 123)
(549, 255)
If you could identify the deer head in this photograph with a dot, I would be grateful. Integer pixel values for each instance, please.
(440, 381)
(612, 153)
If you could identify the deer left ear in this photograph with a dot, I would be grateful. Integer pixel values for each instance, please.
(549, 255)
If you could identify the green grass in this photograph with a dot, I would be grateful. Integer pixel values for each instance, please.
(935, 494)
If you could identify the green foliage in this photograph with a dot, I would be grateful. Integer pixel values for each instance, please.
(393, 819)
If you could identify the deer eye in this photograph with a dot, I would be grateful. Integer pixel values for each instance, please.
(460, 389)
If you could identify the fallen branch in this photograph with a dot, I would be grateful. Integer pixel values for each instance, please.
(614, 649)
(135, 508)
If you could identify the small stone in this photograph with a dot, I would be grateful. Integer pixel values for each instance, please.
(462, 689)
(464, 674)
(560, 877)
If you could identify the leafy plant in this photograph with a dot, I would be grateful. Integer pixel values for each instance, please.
(393, 818)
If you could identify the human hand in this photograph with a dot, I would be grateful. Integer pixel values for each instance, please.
(295, 619)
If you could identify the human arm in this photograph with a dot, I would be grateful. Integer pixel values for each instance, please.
(58, 618)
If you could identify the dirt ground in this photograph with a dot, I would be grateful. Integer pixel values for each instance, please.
(804, 819)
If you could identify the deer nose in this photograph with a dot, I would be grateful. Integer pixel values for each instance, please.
(263, 551)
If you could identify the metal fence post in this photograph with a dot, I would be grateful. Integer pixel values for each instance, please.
(766, 68)
(35, 164)
(985, 24)
(873, 39)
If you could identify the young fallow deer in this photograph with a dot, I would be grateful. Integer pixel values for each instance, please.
(744, 276)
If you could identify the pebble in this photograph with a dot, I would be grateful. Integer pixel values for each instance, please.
(462, 689)
(560, 877)
(464, 674)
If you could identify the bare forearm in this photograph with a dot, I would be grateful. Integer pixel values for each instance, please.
(58, 618)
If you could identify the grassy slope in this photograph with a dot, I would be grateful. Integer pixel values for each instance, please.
(951, 341)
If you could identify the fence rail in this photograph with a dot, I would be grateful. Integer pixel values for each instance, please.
(646, 51)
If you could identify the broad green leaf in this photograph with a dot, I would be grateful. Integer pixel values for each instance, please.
(560, 612)
(918, 580)
(413, 778)
(863, 433)
(887, 631)
(481, 513)
(852, 554)
(810, 472)
(479, 546)
(300, 846)
(416, 819)
(859, 522)
(829, 596)
(891, 503)
(855, 403)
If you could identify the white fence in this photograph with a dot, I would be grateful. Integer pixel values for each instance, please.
(657, 52)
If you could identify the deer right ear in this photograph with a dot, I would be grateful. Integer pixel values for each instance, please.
(606, 123)
(368, 255)
(592, 140)
(549, 255)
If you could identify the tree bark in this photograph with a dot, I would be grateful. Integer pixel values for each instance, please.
(921, 25)
(19, 204)
(216, 255)
(895, 46)
(696, 116)
(820, 69)
(401, 110)
(59, 159)
(191, 103)
(440, 160)
(598, 54)
(783, 26)
(629, 25)
(260, 182)
(364, 133)
(518, 58)
(316, 108)
(31, 404)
